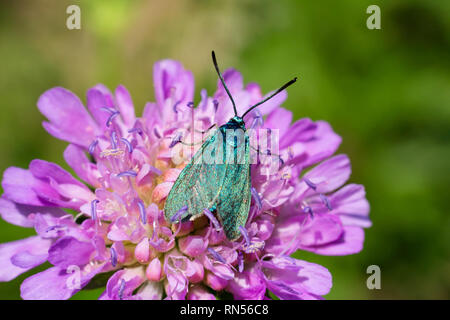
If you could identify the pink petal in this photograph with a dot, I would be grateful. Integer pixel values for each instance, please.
(192, 245)
(272, 104)
(69, 251)
(280, 119)
(233, 80)
(198, 292)
(132, 278)
(19, 185)
(322, 229)
(56, 283)
(170, 78)
(57, 186)
(323, 145)
(171, 175)
(286, 236)
(199, 272)
(125, 105)
(26, 260)
(351, 205)
(23, 215)
(255, 92)
(83, 167)
(45, 169)
(68, 118)
(33, 247)
(290, 278)
(318, 278)
(154, 270)
(247, 285)
(329, 175)
(215, 282)
(351, 242)
(96, 100)
(150, 291)
(161, 191)
(142, 251)
(302, 130)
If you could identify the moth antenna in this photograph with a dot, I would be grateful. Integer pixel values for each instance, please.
(223, 81)
(271, 96)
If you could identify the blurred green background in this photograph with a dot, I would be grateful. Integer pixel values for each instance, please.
(386, 92)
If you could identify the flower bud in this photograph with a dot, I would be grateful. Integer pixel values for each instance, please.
(142, 251)
(154, 270)
(215, 282)
(199, 272)
(198, 292)
(192, 245)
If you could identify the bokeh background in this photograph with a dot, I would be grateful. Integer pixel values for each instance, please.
(387, 92)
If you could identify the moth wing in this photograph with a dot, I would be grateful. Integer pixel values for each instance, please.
(235, 197)
(198, 184)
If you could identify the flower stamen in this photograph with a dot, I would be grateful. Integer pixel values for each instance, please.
(216, 255)
(175, 106)
(310, 184)
(111, 152)
(258, 119)
(55, 227)
(94, 209)
(113, 257)
(128, 173)
(240, 261)
(155, 170)
(309, 211)
(256, 197)
(212, 219)
(128, 144)
(108, 109)
(121, 289)
(245, 235)
(142, 212)
(156, 132)
(175, 140)
(114, 140)
(178, 215)
(111, 118)
(325, 200)
(92, 147)
(138, 130)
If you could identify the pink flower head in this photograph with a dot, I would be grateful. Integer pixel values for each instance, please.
(125, 168)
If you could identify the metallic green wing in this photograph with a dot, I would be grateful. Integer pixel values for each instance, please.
(235, 197)
(223, 187)
(197, 186)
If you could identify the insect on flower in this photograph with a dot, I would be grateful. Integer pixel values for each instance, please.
(218, 177)
(119, 236)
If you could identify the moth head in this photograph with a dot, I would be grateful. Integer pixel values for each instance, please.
(238, 121)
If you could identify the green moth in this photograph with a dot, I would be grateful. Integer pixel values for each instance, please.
(217, 180)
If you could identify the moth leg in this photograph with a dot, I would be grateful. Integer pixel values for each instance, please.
(203, 132)
(191, 144)
(265, 154)
(186, 219)
(268, 153)
(198, 131)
